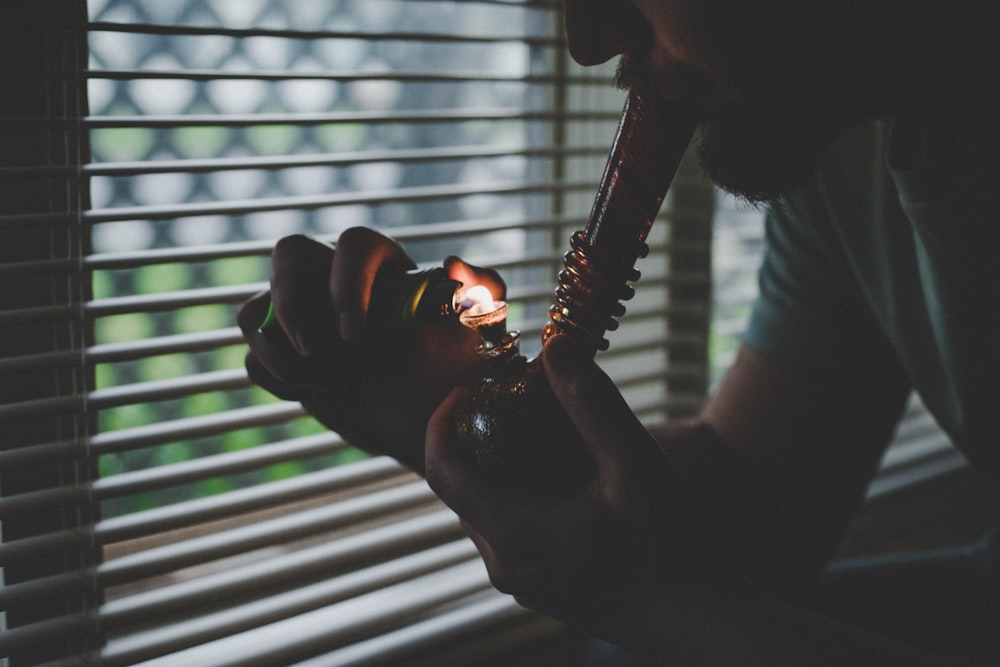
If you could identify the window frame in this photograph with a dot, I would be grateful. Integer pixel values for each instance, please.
(43, 48)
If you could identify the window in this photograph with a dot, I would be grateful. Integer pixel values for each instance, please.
(919, 451)
(156, 507)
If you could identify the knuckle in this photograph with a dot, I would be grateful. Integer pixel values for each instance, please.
(504, 578)
(357, 237)
(439, 478)
(293, 244)
(434, 475)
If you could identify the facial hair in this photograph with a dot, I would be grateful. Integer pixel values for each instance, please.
(760, 149)
(766, 137)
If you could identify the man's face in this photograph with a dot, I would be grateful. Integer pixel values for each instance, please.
(767, 77)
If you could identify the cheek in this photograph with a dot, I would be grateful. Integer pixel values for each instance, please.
(689, 31)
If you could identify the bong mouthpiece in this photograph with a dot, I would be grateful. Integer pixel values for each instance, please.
(652, 136)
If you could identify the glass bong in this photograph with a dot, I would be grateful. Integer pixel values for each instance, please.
(511, 424)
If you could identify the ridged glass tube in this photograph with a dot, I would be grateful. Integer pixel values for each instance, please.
(511, 423)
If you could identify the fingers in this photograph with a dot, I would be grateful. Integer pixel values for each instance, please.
(360, 254)
(261, 376)
(253, 312)
(593, 403)
(300, 270)
(496, 517)
(452, 476)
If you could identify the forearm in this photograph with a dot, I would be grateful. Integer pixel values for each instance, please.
(762, 514)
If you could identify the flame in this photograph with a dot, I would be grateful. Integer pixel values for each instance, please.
(478, 299)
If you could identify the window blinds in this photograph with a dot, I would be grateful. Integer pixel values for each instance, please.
(44, 466)
(196, 518)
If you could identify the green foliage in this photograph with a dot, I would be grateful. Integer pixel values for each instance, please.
(203, 318)
(238, 271)
(122, 143)
(214, 486)
(106, 375)
(349, 455)
(339, 137)
(126, 416)
(173, 452)
(102, 285)
(165, 366)
(235, 441)
(274, 139)
(162, 278)
(123, 328)
(307, 426)
(284, 470)
(111, 464)
(200, 142)
(230, 357)
(207, 403)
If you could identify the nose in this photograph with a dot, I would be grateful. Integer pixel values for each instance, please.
(598, 30)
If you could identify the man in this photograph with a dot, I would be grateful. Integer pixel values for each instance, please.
(873, 125)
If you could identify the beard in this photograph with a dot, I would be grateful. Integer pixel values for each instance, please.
(762, 147)
(768, 135)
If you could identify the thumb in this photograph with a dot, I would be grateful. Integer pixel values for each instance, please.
(592, 402)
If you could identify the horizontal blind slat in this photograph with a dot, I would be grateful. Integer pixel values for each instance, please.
(25, 592)
(158, 301)
(23, 457)
(407, 117)
(41, 634)
(37, 267)
(237, 120)
(133, 608)
(149, 347)
(450, 76)
(17, 551)
(160, 29)
(231, 503)
(331, 560)
(423, 232)
(343, 159)
(450, 627)
(41, 407)
(186, 254)
(307, 202)
(265, 533)
(161, 390)
(184, 634)
(148, 479)
(36, 362)
(132, 304)
(36, 501)
(11, 221)
(344, 623)
(194, 427)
